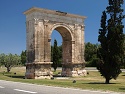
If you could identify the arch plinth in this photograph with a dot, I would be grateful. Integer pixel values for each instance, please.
(40, 24)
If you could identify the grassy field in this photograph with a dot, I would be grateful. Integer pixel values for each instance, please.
(93, 81)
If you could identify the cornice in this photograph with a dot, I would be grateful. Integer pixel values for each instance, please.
(35, 9)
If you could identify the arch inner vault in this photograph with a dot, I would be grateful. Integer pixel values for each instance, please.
(40, 24)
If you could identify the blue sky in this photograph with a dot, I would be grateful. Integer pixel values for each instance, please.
(12, 20)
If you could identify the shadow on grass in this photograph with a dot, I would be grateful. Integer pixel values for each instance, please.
(123, 75)
(122, 88)
(16, 76)
(99, 83)
(57, 76)
(21, 77)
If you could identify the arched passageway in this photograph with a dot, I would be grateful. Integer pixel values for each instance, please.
(66, 48)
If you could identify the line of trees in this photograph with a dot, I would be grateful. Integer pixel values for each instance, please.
(91, 54)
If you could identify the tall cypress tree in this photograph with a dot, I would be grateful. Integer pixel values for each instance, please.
(55, 55)
(111, 38)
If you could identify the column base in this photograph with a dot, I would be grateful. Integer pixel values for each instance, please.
(40, 70)
(71, 70)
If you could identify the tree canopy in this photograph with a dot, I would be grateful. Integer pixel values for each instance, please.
(91, 54)
(9, 60)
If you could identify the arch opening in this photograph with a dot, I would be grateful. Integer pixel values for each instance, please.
(66, 49)
(56, 36)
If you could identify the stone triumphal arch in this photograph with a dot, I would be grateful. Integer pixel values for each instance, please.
(40, 24)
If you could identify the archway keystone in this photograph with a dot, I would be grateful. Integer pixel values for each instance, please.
(40, 24)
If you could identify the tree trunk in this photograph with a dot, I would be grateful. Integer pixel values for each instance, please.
(124, 64)
(107, 80)
(8, 69)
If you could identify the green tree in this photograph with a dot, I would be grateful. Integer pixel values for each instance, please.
(55, 55)
(9, 60)
(91, 54)
(111, 38)
(23, 57)
(52, 53)
(123, 64)
(60, 56)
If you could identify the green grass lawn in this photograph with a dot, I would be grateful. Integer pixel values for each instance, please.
(93, 81)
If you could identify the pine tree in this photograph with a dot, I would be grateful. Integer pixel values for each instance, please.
(111, 38)
(55, 55)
